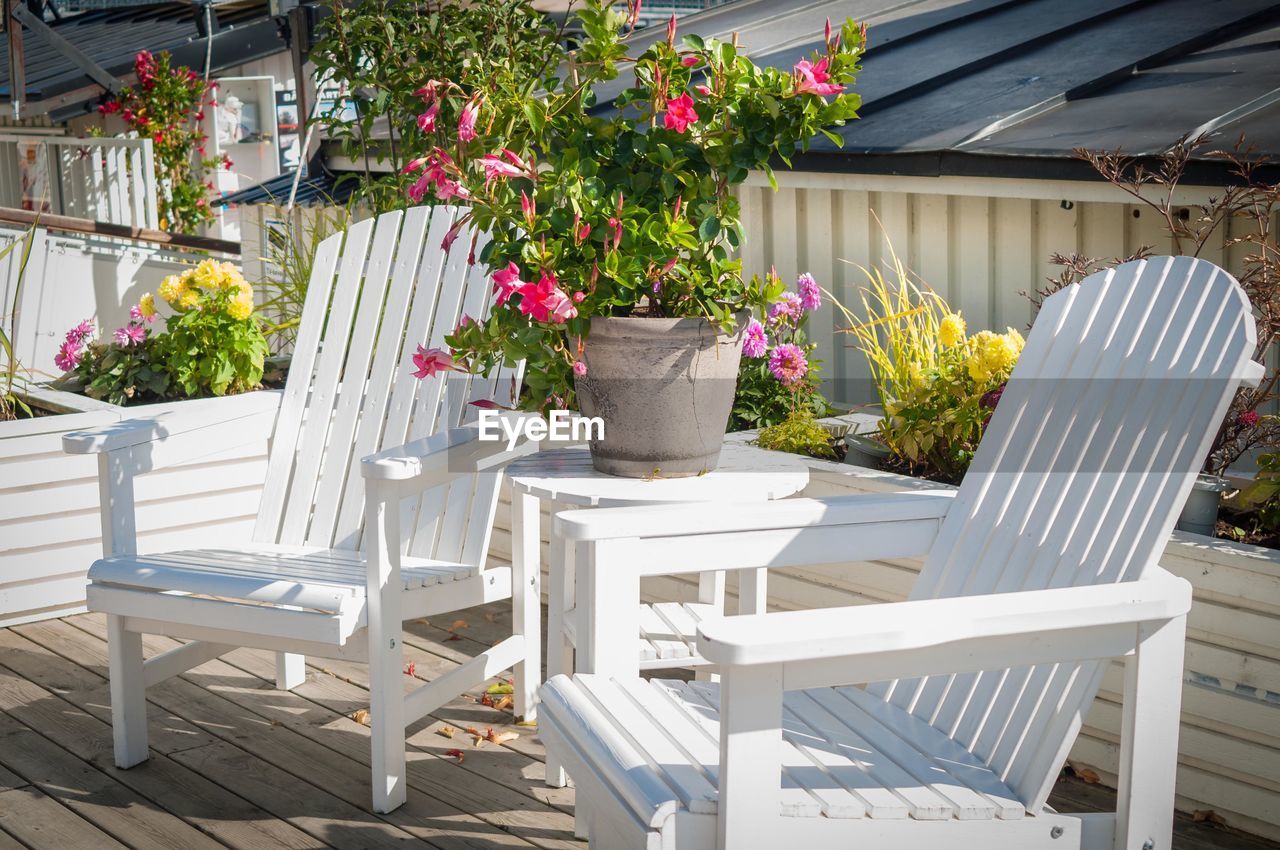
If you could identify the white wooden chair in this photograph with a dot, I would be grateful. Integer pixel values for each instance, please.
(1041, 566)
(302, 585)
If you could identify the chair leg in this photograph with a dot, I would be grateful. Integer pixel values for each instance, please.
(386, 657)
(128, 693)
(1149, 746)
(526, 597)
(291, 670)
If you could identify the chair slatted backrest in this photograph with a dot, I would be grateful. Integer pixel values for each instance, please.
(376, 292)
(1094, 446)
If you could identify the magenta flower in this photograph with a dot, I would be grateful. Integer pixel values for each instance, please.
(814, 79)
(810, 293)
(705, 91)
(81, 332)
(1249, 418)
(427, 120)
(506, 282)
(788, 364)
(579, 368)
(130, 334)
(495, 167)
(545, 302)
(680, 113)
(431, 361)
(786, 308)
(68, 356)
(690, 61)
(527, 207)
(467, 120)
(755, 342)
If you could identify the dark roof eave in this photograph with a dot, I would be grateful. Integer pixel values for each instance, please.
(938, 163)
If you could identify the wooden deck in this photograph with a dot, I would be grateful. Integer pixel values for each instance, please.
(236, 763)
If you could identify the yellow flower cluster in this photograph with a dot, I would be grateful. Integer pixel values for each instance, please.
(210, 276)
(951, 330)
(992, 355)
(147, 306)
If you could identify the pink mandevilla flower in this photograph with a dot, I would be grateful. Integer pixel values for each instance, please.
(705, 91)
(690, 61)
(579, 368)
(495, 167)
(814, 79)
(431, 361)
(467, 120)
(130, 334)
(680, 113)
(788, 364)
(810, 292)
(506, 282)
(427, 120)
(755, 341)
(545, 302)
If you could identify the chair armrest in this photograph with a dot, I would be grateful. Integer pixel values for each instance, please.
(458, 451)
(948, 635)
(170, 423)
(703, 518)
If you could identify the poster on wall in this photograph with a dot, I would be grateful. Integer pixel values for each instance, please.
(33, 170)
(288, 128)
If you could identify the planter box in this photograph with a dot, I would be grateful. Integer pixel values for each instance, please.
(1229, 745)
(50, 530)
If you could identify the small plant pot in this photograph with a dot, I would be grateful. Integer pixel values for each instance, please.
(1200, 513)
(864, 450)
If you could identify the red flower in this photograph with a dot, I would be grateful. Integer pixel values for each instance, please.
(1249, 418)
(680, 113)
(545, 302)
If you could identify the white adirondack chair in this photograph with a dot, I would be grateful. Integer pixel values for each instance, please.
(1041, 566)
(302, 585)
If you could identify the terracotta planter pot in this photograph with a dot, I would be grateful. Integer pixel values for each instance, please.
(664, 388)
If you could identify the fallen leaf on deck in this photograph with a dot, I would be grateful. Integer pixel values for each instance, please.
(1208, 816)
(445, 731)
(410, 669)
(1087, 775)
(485, 699)
(502, 737)
(457, 754)
(459, 624)
(533, 724)
(476, 737)
(361, 715)
(505, 703)
(453, 637)
(500, 688)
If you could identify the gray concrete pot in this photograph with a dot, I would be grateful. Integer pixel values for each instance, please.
(664, 388)
(1200, 513)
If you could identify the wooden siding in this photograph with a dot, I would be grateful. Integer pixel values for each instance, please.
(979, 243)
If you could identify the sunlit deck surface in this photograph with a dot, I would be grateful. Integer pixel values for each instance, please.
(236, 763)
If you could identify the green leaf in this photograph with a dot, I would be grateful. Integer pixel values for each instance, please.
(709, 229)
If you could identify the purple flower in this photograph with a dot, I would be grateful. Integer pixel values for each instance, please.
(787, 307)
(991, 398)
(130, 334)
(810, 293)
(755, 341)
(68, 356)
(788, 364)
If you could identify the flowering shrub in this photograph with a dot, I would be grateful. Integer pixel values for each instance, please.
(778, 376)
(627, 212)
(938, 384)
(212, 345)
(167, 106)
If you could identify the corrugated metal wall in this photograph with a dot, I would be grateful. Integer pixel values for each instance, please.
(979, 243)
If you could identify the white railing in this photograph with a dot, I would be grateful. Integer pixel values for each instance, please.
(101, 179)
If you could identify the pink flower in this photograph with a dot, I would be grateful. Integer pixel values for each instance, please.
(578, 297)
(527, 207)
(579, 368)
(1249, 418)
(690, 61)
(431, 361)
(617, 232)
(810, 292)
(506, 282)
(130, 334)
(545, 302)
(463, 322)
(429, 91)
(435, 175)
(705, 91)
(680, 113)
(427, 120)
(787, 307)
(788, 364)
(467, 121)
(68, 356)
(81, 332)
(755, 342)
(671, 29)
(583, 233)
(812, 79)
(495, 167)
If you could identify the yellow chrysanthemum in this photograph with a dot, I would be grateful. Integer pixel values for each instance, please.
(206, 275)
(190, 299)
(951, 330)
(172, 289)
(147, 305)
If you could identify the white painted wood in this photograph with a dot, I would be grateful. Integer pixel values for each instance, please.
(128, 700)
(1044, 563)
(304, 586)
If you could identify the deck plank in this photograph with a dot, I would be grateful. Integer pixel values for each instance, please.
(334, 753)
(94, 796)
(42, 823)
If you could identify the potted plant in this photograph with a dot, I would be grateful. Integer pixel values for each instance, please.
(612, 231)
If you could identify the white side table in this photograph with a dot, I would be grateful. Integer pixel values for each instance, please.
(566, 479)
